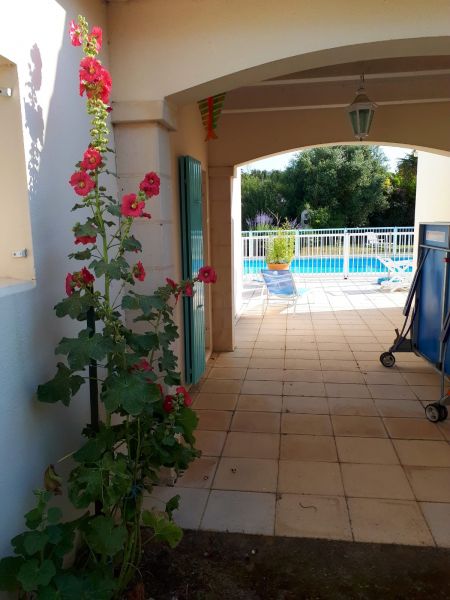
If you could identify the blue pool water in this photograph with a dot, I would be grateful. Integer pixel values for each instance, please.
(333, 264)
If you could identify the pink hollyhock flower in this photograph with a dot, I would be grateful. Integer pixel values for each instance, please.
(81, 183)
(85, 239)
(91, 159)
(207, 275)
(171, 283)
(131, 206)
(96, 36)
(188, 290)
(143, 365)
(90, 70)
(70, 285)
(150, 184)
(168, 404)
(75, 34)
(139, 271)
(87, 276)
(186, 397)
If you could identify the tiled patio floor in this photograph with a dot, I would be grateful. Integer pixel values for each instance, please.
(304, 433)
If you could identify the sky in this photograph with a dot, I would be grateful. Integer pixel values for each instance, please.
(281, 161)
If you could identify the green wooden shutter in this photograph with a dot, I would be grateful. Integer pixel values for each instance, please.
(192, 260)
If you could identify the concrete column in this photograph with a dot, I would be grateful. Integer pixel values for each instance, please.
(221, 241)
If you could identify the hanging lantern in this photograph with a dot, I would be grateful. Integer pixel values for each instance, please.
(361, 112)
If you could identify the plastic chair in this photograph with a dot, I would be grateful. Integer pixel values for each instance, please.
(281, 284)
(399, 273)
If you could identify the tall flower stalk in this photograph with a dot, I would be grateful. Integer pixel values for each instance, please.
(144, 421)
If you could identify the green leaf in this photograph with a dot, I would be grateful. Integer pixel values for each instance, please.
(34, 541)
(34, 517)
(62, 387)
(127, 391)
(164, 529)
(104, 536)
(142, 302)
(9, 567)
(173, 504)
(48, 593)
(114, 269)
(143, 343)
(81, 255)
(85, 229)
(81, 350)
(75, 306)
(113, 209)
(54, 515)
(188, 421)
(131, 244)
(85, 486)
(33, 574)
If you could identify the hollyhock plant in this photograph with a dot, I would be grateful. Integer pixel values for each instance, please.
(136, 427)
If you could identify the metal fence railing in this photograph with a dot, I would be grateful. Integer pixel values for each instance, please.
(327, 251)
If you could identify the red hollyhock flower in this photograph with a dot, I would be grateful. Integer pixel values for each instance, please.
(87, 276)
(95, 80)
(131, 206)
(90, 70)
(171, 283)
(81, 182)
(91, 159)
(150, 184)
(143, 365)
(70, 285)
(139, 271)
(96, 36)
(207, 275)
(188, 290)
(168, 404)
(75, 34)
(85, 239)
(186, 397)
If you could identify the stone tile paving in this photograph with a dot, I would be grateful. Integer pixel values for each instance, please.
(304, 433)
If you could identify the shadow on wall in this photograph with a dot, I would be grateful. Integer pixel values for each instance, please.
(34, 120)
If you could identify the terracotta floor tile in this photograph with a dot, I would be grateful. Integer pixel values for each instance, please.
(358, 426)
(412, 429)
(231, 361)
(306, 424)
(385, 377)
(262, 422)
(423, 453)
(394, 392)
(264, 375)
(266, 363)
(339, 365)
(336, 347)
(388, 522)
(308, 447)
(309, 364)
(430, 483)
(252, 445)
(432, 393)
(298, 477)
(363, 407)
(366, 450)
(302, 375)
(192, 504)
(430, 379)
(240, 512)
(376, 481)
(342, 377)
(272, 388)
(344, 355)
(312, 517)
(297, 404)
(259, 403)
(268, 353)
(210, 442)
(366, 356)
(437, 515)
(400, 408)
(214, 420)
(347, 390)
(221, 386)
(270, 345)
(227, 373)
(215, 401)
(300, 388)
(246, 474)
(374, 366)
(200, 474)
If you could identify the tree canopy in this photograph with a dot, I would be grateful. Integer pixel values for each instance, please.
(340, 186)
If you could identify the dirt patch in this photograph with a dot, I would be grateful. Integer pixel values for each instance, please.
(225, 566)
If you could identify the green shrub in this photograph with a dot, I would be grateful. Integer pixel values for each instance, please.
(280, 249)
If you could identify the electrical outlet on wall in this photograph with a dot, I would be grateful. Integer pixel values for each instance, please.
(22, 253)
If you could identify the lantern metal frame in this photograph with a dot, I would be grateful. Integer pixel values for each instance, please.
(361, 112)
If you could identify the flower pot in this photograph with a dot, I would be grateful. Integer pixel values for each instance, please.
(278, 266)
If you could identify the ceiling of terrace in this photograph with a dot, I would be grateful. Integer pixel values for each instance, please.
(408, 80)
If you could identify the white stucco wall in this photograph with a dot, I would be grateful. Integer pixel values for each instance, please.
(34, 36)
(433, 188)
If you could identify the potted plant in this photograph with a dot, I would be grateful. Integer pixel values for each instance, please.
(280, 251)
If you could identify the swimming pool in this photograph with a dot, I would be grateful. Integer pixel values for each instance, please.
(331, 264)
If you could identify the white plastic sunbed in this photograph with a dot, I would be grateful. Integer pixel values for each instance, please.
(399, 273)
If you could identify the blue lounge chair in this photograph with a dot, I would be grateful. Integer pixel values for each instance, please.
(281, 284)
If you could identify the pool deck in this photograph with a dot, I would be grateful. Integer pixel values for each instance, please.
(303, 433)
